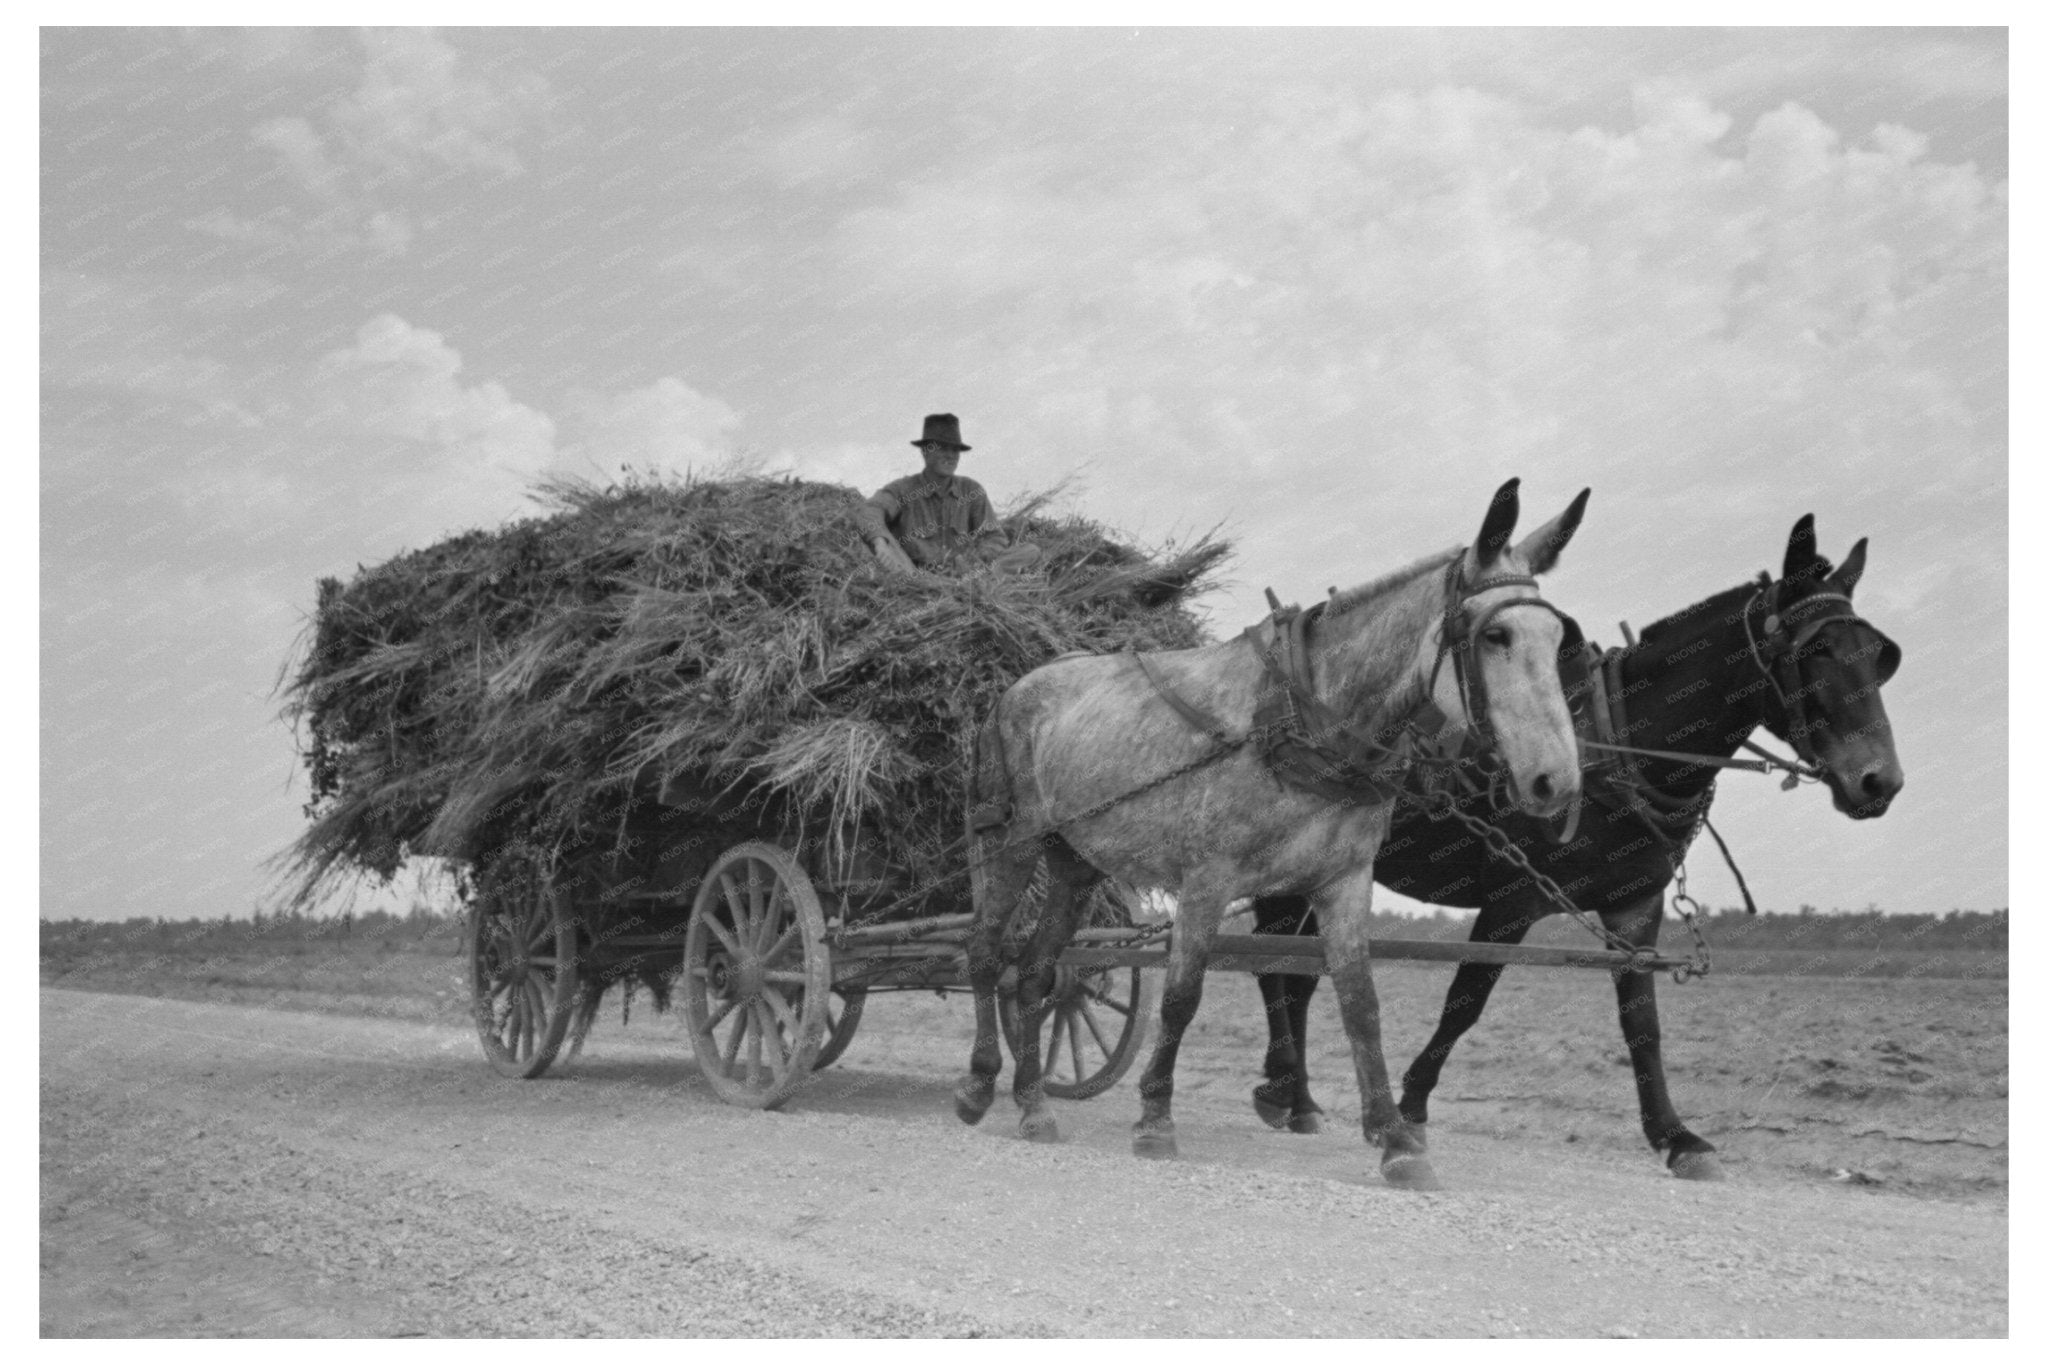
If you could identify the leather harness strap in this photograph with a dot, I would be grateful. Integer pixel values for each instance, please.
(1187, 710)
(1307, 744)
(1303, 741)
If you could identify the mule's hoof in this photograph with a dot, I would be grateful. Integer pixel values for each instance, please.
(1274, 1112)
(1409, 1171)
(1154, 1146)
(1697, 1166)
(1039, 1128)
(1307, 1121)
(969, 1106)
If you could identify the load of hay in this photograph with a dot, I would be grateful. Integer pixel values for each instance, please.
(534, 684)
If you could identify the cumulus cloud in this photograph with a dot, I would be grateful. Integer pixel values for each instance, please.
(419, 105)
(830, 151)
(304, 154)
(471, 444)
(666, 425)
(1445, 280)
(417, 108)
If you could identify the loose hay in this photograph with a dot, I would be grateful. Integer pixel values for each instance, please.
(538, 684)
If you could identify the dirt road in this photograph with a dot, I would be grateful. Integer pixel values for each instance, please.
(219, 1170)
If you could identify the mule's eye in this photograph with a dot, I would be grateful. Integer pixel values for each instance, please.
(1496, 635)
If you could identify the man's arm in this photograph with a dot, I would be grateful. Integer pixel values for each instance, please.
(873, 516)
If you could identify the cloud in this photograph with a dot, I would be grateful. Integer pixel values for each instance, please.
(1445, 280)
(832, 151)
(304, 154)
(666, 425)
(420, 105)
(417, 109)
(457, 443)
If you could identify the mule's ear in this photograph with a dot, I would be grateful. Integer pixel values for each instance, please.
(1799, 550)
(1498, 526)
(1544, 544)
(1852, 568)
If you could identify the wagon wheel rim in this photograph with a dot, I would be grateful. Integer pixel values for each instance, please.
(756, 976)
(842, 1018)
(522, 966)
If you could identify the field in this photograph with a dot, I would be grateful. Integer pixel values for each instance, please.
(1872, 1066)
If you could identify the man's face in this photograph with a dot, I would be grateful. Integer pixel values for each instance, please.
(940, 458)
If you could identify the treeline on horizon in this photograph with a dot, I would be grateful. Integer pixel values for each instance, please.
(1729, 927)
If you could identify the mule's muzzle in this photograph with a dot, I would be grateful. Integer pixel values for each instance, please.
(1546, 793)
(1868, 793)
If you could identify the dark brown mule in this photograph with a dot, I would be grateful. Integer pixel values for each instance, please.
(1792, 657)
(1145, 771)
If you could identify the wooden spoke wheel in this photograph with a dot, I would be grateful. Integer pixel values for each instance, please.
(1096, 1017)
(757, 976)
(1097, 1023)
(522, 966)
(842, 1017)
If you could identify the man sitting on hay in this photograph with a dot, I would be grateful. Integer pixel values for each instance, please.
(938, 520)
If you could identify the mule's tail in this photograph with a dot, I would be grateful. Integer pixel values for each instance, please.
(990, 798)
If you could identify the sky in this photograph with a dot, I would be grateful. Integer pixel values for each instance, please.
(311, 298)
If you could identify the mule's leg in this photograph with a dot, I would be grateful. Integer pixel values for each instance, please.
(1067, 879)
(1689, 1156)
(1463, 1004)
(1283, 1100)
(1000, 882)
(1193, 931)
(1307, 1115)
(1345, 910)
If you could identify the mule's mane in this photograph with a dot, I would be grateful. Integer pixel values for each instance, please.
(1729, 601)
(1364, 593)
(1371, 660)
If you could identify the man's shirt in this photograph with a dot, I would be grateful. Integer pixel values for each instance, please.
(931, 517)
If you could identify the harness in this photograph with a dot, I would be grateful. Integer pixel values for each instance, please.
(1308, 745)
(1617, 781)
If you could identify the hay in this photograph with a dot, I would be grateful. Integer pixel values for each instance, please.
(535, 685)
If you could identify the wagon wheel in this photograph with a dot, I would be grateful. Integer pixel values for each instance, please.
(1098, 1015)
(757, 976)
(842, 1017)
(522, 966)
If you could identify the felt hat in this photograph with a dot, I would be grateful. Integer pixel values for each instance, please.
(942, 428)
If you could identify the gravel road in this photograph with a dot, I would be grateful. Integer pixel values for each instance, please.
(216, 1170)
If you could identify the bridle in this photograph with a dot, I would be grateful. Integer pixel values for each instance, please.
(1786, 633)
(1458, 640)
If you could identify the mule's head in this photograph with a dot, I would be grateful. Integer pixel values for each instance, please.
(1504, 640)
(1829, 664)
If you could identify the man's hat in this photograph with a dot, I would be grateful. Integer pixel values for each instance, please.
(942, 428)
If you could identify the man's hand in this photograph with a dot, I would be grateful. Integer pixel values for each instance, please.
(892, 556)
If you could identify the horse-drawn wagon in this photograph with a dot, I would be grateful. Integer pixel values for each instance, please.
(739, 761)
(686, 737)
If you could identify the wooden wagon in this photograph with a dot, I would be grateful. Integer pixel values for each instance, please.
(775, 949)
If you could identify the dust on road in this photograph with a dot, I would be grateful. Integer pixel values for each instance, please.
(214, 1170)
